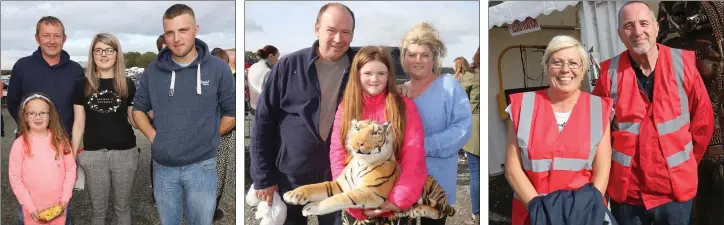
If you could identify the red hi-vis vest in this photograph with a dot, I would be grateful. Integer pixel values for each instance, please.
(557, 160)
(670, 113)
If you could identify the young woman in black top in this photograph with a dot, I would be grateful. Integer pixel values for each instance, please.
(102, 104)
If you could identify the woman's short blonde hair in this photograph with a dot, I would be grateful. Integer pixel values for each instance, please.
(424, 34)
(561, 42)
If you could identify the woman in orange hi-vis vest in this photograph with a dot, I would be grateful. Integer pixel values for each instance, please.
(559, 137)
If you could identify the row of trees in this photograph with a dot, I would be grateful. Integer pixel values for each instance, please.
(136, 59)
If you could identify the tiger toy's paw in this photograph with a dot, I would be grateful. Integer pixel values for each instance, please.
(311, 209)
(424, 211)
(296, 197)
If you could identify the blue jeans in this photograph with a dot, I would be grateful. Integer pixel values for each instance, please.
(190, 188)
(21, 218)
(672, 213)
(474, 167)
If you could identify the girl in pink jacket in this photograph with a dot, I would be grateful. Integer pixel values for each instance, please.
(41, 167)
(366, 97)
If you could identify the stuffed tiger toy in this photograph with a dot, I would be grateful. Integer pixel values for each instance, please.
(368, 179)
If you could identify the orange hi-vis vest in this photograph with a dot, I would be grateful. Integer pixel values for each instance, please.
(557, 160)
(671, 120)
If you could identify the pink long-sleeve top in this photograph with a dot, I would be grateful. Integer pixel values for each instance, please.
(411, 159)
(40, 181)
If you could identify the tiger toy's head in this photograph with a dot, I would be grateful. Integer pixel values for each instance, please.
(370, 141)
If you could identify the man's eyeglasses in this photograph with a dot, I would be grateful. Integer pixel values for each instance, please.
(108, 51)
(560, 64)
(36, 114)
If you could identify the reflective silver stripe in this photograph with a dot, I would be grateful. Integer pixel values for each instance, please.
(620, 158)
(568, 164)
(526, 117)
(613, 74)
(678, 122)
(539, 165)
(596, 127)
(631, 127)
(680, 157)
(673, 125)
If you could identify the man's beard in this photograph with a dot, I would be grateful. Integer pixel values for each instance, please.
(642, 49)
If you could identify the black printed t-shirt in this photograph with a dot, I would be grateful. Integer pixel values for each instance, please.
(106, 116)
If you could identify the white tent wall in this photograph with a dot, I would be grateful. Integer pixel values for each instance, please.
(499, 39)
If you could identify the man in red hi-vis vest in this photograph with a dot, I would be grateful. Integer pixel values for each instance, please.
(662, 126)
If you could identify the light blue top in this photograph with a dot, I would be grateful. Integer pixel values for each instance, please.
(445, 112)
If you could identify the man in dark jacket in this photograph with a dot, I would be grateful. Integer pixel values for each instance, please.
(295, 111)
(48, 70)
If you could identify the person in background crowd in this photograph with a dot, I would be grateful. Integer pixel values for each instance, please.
(442, 103)
(102, 104)
(290, 134)
(232, 61)
(221, 54)
(2, 97)
(259, 72)
(192, 112)
(470, 81)
(664, 122)
(224, 157)
(160, 43)
(461, 67)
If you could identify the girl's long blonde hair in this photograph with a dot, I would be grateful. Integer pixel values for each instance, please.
(59, 140)
(119, 69)
(353, 102)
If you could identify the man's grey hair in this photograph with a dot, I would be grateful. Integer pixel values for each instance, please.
(618, 21)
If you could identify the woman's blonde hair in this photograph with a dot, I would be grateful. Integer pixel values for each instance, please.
(119, 69)
(561, 42)
(424, 34)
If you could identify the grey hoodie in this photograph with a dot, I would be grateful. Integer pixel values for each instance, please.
(187, 104)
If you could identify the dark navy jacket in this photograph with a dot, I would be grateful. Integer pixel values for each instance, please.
(33, 74)
(580, 207)
(285, 132)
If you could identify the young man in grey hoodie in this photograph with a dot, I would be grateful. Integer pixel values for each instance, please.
(192, 95)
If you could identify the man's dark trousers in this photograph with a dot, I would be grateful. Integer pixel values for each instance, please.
(289, 182)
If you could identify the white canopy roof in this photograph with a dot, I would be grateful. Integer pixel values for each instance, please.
(510, 11)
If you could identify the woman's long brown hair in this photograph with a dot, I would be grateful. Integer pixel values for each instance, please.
(59, 140)
(353, 100)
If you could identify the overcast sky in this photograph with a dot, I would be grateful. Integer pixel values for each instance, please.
(289, 26)
(136, 24)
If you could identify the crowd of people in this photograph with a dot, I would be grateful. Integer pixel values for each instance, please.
(302, 105)
(69, 120)
(634, 142)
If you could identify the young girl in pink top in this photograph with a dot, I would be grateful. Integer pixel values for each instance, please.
(41, 166)
(366, 97)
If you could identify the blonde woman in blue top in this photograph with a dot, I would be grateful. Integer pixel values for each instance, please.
(443, 105)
